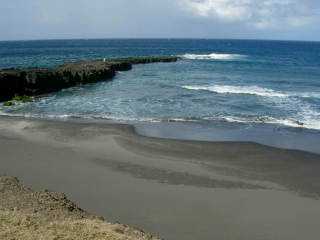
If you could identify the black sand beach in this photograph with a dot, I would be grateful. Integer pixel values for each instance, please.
(177, 189)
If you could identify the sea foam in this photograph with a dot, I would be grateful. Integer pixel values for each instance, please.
(214, 56)
(228, 89)
(305, 123)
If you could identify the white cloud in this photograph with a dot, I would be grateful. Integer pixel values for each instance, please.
(260, 14)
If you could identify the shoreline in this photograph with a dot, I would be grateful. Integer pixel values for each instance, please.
(271, 135)
(238, 188)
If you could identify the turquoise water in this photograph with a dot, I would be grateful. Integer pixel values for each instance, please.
(216, 83)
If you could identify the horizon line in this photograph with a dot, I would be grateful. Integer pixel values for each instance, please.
(156, 38)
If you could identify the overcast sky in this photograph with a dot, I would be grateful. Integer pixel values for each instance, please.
(250, 19)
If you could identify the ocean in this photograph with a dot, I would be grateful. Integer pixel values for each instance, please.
(221, 90)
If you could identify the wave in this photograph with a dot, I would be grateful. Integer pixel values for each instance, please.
(308, 95)
(214, 56)
(86, 117)
(228, 89)
(269, 120)
(251, 90)
(307, 123)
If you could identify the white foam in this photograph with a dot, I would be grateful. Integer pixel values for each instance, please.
(213, 56)
(228, 89)
(310, 116)
(308, 124)
(308, 94)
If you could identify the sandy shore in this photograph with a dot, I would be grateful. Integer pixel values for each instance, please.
(29, 215)
(177, 189)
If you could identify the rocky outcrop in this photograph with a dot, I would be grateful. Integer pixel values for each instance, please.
(37, 81)
(27, 214)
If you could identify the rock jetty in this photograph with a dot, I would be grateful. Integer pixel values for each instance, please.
(37, 81)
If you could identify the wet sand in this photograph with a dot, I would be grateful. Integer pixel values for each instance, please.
(176, 189)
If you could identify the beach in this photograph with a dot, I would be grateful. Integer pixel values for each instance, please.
(149, 120)
(172, 188)
(28, 214)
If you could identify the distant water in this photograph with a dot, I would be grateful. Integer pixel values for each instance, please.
(251, 84)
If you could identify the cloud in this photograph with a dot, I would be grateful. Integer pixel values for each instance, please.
(260, 14)
(263, 19)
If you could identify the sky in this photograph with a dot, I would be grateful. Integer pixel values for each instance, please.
(236, 19)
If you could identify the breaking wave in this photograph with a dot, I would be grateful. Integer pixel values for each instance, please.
(306, 123)
(228, 89)
(214, 56)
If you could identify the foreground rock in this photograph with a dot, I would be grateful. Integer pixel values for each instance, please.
(25, 214)
(36, 81)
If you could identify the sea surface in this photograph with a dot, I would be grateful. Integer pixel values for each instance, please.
(222, 90)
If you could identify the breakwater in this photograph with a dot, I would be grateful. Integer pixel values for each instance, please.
(37, 81)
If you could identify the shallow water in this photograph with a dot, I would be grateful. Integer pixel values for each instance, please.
(266, 83)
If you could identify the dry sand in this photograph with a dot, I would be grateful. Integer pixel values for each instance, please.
(177, 189)
(25, 214)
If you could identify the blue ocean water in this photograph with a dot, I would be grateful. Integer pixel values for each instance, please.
(217, 83)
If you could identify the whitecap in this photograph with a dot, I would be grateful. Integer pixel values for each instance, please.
(214, 56)
(228, 89)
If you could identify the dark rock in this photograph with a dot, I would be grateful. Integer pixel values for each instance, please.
(37, 81)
